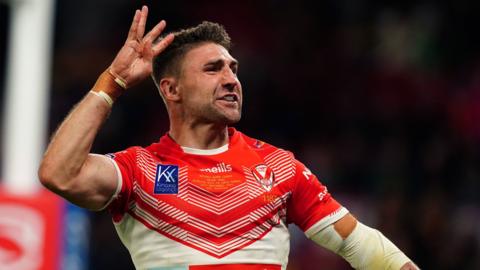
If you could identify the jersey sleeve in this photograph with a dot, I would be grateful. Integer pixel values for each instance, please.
(312, 207)
(124, 162)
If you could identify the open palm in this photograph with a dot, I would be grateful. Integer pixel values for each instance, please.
(133, 62)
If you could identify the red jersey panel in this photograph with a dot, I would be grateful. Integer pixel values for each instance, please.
(178, 208)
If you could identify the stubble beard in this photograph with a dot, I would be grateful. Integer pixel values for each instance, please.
(213, 114)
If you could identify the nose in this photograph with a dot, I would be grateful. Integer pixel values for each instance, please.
(230, 80)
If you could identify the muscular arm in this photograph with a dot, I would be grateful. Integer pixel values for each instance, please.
(67, 167)
(362, 246)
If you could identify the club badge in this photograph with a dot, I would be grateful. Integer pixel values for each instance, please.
(264, 176)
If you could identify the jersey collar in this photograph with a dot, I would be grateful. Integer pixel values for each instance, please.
(205, 152)
(233, 135)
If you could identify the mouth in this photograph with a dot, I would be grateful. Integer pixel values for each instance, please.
(230, 98)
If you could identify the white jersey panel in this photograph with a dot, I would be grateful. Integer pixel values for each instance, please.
(152, 250)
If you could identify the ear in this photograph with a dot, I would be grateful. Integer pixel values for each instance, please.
(169, 89)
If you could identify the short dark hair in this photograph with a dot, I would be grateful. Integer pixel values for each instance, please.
(168, 62)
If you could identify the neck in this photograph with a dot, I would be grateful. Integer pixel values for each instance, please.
(199, 136)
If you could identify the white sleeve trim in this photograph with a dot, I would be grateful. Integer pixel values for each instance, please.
(324, 222)
(119, 184)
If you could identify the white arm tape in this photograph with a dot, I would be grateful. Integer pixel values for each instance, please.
(365, 248)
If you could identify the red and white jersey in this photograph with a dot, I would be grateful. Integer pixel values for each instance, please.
(228, 208)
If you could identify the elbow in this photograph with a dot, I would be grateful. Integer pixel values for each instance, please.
(50, 177)
(46, 175)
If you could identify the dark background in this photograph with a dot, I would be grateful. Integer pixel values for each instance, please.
(381, 100)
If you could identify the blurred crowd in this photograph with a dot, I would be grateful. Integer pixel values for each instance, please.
(381, 101)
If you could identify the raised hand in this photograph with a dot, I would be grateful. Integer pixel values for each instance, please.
(133, 62)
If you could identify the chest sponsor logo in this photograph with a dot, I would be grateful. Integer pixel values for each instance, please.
(166, 179)
(264, 176)
(219, 168)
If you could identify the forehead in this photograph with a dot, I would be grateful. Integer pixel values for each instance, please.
(207, 52)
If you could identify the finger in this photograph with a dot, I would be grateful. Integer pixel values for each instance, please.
(132, 33)
(148, 52)
(142, 22)
(159, 47)
(155, 32)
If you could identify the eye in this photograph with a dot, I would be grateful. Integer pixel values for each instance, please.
(211, 68)
(234, 67)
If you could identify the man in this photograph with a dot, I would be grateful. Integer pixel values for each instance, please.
(205, 196)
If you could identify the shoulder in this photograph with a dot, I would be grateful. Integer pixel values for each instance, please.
(128, 151)
(282, 161)
(263, 148)
(132, 153)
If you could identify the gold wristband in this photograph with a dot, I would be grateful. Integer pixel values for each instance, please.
(119, 80)
(105, 97)
(106, 83)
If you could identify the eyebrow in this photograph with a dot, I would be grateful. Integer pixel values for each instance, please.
(234, 62)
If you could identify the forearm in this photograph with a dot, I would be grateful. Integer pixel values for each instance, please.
(67, 167)
(364, 248)
(367, 248)
(72, 142)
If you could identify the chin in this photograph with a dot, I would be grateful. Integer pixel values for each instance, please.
(231, 119)
(219, 116)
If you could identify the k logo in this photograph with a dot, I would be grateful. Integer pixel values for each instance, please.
(166, 179)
